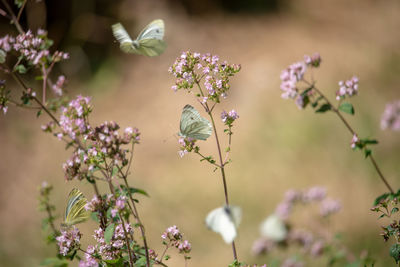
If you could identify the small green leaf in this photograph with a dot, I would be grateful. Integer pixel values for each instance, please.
(109, 232)
(114, 172)
(133, 190)
(347, 108)
(323, 108)
(380, 198)
(94, 216)
(2, 56)
(19, 3)
(115, 263)
(21, 69)
(394, 252)
(367, 141)
(367, 153)
(141, 262)
(39, 113)
(395, 209)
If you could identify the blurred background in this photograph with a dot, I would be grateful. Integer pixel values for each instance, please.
(276, 146)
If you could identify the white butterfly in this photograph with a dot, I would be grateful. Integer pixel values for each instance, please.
(149, 41)
(274, 228)
(193, 125)
(225, 220)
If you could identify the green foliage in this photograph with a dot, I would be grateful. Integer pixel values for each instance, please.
(20, 69)
(347, 108)
(386, 196)
(115, 262)
(324, 108)
(19, 3)
(109, 232)
(394, 252)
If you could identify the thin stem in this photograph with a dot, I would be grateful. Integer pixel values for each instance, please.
(135, 211)
(165, 251)
(221, 162)
(44, 86)
(337, 112)
(206, 159)
(20, 10)
(13, 18)
(50, 215)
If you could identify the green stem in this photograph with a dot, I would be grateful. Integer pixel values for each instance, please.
(337, 112)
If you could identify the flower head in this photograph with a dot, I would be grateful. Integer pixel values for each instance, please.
(391, 116)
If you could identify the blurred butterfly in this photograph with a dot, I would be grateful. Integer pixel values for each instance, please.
(225, 220)
(149, 41)
(193, 125)
(75, 212)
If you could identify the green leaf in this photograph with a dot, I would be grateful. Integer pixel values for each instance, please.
(394, 252)
(39, 113)
(347, 108)
(2, 56)
(94, 216)
(109, 232)
(323, 108)
(55, 262)
(141, 262)
(380, 198)
(115, 263)
(133, 190)
(367, 152)
(395, 209)
(19, 3)
(367, 141)
(21, 69)
(114, 171)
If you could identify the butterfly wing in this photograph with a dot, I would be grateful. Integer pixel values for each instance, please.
(154, 30)
(122, 36)
(193, 125)
(75, 211)
(151, 47)
(220, 221)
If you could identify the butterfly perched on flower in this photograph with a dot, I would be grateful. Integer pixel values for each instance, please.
(225, 220)
(193, 125)
(75, 211)
(148, 43)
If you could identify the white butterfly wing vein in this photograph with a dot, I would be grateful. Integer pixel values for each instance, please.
(155, 30)
(121, 34)
(220, 221)
(193, 125)
(72, 200)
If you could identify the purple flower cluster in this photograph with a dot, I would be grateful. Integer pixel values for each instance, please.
(292, 263)
(313, 194)
(354, 141)
(57, 87)
(275, 231)
(391, 116)
(172, 236)
(113, 249)
(32, 47)
(190, 68)
(349, 88)
(90, 260)
(74, 118)
(102, 142)
(68, 240)
(229, 117)
(294, 74)
(187, 145)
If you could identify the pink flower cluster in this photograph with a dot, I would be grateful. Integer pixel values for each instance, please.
(295, 73)
(57, 87)
(187, 145)
(101, 142)
(190, 68)
(68, 240)
(74, 118)
(113, 249)
(172, 236)
(31, 47)
(391, 116)
(229, 117)
(90, 260)
(312, 195)
(349, 88)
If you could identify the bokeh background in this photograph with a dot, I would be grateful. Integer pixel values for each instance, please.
(275, 146)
